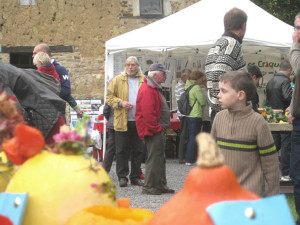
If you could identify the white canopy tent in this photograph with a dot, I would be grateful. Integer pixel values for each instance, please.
(194, 29)
(200, 25)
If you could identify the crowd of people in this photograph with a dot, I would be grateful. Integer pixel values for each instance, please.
(223, 100)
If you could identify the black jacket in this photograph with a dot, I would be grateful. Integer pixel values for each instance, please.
(40, 106)
(279, 91)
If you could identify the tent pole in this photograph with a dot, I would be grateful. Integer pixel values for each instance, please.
(105, 90)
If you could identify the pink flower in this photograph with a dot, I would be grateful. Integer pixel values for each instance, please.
(67, 136)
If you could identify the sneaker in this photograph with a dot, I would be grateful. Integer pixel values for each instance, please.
(123, 182)
(188, 164)
(286, 178)
(137, 182)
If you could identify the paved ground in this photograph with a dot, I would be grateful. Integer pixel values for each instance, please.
(176, 175)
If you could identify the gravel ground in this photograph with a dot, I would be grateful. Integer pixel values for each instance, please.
(176, 175)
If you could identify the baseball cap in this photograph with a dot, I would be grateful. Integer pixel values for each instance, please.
(158, 67)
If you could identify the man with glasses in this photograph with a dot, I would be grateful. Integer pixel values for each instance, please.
(294, 116)
(152, 120)
(121, 95)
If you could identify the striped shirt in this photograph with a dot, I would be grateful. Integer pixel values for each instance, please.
(245, 140)
(224, 56)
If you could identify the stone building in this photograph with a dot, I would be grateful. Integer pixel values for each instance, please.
(77, 31)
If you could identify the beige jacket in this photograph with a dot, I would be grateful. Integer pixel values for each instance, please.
(117, 91)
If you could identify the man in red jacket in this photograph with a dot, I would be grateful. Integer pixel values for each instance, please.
(152, 117)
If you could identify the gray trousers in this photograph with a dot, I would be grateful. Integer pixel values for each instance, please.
(155, 176)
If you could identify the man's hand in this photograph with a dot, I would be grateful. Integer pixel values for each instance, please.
(126, 105)
(290, 118)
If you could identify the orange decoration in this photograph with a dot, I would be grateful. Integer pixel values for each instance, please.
(8, 147)
(205, 185)
(29, 140)
(123, 202)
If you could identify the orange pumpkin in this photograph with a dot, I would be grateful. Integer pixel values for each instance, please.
(108, 215)
(208, 183)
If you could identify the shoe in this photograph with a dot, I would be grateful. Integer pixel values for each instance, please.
(167, 191)
(285, 178)
(181, 162)
(137, 182)
(123, 182)
(142, 176)
(151, 191)
(188, 164)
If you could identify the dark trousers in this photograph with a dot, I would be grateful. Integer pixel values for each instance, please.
(155, 176)
(283, 141)
(110, 150)
(125, 142)
(206, 127)
(295, 164)
(194, 125)
(184, 137)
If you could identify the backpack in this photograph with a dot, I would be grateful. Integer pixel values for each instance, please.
(183, 102)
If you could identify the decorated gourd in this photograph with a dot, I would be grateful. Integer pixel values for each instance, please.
(208, 183)
(60, 185)
(61, 180)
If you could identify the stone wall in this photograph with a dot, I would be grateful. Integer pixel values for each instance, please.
(83, 24)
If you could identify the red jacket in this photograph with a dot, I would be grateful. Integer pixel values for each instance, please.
(148, 109)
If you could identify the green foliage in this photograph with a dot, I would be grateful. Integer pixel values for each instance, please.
(284, 10)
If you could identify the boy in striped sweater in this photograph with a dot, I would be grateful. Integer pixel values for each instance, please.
(244, 136)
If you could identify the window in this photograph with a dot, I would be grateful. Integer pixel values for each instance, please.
(151, 7)
(22, 60)
(27, 2)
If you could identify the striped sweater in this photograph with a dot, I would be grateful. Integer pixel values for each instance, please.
(248, 147)
(224, 56)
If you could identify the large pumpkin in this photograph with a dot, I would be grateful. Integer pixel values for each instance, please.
(208, 183)
(60, 185)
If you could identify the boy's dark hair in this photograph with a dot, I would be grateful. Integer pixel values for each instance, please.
(285, 65)
(254, 70)
(240, 81)
(234, 19)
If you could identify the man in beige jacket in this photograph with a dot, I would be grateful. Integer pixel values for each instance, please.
(121, 95)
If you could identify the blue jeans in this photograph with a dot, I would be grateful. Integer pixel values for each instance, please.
(283, 141)
(194, 126)
(295, 164)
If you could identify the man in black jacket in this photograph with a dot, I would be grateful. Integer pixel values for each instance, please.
(279, 95)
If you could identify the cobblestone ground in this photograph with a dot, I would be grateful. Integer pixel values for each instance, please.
(176, 175)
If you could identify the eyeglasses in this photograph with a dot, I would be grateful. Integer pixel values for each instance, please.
(297, 28)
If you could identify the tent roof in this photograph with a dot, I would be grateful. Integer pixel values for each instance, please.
(201, 24)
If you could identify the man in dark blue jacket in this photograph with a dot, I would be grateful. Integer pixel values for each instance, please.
(65, 92)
